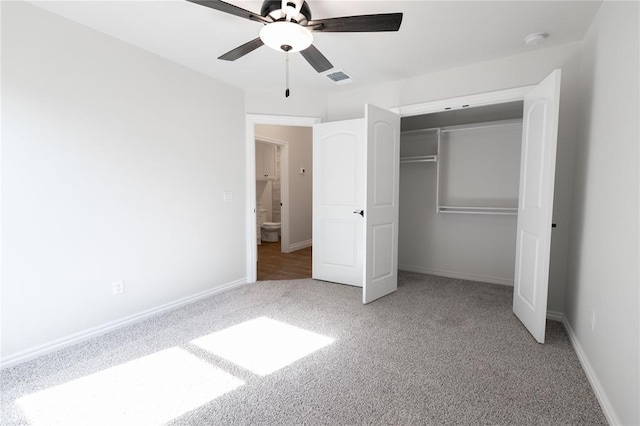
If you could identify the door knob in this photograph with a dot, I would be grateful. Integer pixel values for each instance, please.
(360, 212)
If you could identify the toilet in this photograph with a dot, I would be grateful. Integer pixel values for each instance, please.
(262, 218)
(270, 231)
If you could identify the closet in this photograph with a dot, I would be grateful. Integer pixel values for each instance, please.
(459, 184)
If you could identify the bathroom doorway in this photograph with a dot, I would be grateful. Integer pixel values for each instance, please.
(269, 185)
(283, 197)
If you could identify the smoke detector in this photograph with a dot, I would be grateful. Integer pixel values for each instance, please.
(535, 39)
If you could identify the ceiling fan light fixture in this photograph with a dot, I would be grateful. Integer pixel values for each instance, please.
(276, 35)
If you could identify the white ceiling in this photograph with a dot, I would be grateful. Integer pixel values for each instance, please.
(434, 35)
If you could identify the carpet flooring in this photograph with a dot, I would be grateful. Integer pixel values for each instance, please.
(437, 351)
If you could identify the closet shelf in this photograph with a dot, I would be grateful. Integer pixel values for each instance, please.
(420, 159)
(478, 210)
(420, 131)
(476, 126)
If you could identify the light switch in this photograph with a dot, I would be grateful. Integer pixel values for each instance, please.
(228, 195)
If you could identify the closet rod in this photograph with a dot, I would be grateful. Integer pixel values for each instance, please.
(421, 159)
(478, 210)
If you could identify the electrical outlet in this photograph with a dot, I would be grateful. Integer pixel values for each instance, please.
(593, 320)
(117, 287)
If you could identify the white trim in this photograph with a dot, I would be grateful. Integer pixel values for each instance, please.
(458, 275)
(468, 101)
(251, 217)
(554, 316)
(250, 169)
(81, 336)
(299, 246)
(601, 395)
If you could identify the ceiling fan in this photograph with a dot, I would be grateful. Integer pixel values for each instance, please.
(288, 28)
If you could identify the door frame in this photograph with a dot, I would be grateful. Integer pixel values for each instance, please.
(469, 101)
(250, 176)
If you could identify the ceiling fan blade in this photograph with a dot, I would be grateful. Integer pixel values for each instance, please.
(240, 51)
(316, 59)
(357, 24)
(231, 9)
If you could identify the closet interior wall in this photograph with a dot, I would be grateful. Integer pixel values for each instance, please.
(459, 179)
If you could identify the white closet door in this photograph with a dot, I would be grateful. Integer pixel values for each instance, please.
(535, 204)
(381, 211)
(339, 152)
(355, 202)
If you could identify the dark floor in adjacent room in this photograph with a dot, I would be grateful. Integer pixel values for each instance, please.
(274, 265)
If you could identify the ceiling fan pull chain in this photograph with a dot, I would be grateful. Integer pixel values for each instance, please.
(286, 93)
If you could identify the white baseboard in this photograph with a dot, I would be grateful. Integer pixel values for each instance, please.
(458, 275)
(601, 395)
(81, 336)
(555, 316)
(299, 246)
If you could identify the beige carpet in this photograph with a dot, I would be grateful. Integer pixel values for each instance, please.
(437, 351)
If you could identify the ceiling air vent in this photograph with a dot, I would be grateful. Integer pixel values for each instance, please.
(340, 77)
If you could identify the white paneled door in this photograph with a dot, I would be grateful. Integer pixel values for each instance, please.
(339, 151)
(381, 211)
(535, 204)
(355, 202)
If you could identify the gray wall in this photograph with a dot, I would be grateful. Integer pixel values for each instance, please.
(604, 257)
(478, 168)
(114, 164)
(300, 145)
(298, 104)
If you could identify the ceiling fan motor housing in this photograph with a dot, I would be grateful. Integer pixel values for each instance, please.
(287, 27)
(273, 8)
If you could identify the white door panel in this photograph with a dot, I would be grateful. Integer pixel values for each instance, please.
(535, 204)
(381, 211)
(338, 190)
(356, 169)
(382, 266)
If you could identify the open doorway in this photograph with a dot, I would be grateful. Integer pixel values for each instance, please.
(284, 241)
(281, 196)
(270, 179)
(284, 186)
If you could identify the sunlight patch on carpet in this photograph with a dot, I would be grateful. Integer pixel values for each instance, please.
(150, 390)
(262, 345)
